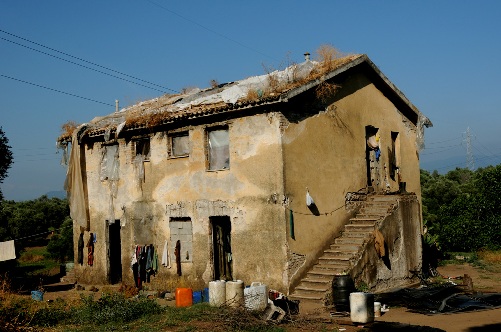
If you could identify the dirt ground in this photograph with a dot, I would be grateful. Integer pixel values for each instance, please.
(401, 319)
(396, 319)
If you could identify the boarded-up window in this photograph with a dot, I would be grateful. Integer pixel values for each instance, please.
(181, 229)
(180, 145)
(218, 149)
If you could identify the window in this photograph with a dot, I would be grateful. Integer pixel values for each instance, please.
(395, 156)
(218, 149)
(179, 145)
(142, 148)
(109, 163)
(181, 230)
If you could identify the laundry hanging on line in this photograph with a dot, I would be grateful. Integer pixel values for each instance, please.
(7, 250)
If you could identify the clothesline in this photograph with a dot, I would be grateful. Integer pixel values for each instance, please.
(313, 214)
(25, 237)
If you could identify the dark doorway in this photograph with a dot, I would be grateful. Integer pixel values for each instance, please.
(221, 242)
(371, 149)
(114, 253)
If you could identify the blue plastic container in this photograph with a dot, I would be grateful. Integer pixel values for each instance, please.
(205, 295)
(197, 297)
(37, 295)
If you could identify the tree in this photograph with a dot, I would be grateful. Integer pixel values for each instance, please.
(60, 246)
(6, 158)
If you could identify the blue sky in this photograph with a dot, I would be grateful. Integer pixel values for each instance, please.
(442, 54)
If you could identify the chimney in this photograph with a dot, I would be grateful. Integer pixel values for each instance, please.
(116, 105)
(307, 56)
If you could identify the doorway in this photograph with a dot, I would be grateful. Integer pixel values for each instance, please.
(372, 153)
(221, 247)
(114, 253)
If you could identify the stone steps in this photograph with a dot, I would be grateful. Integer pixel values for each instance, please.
(338, 258)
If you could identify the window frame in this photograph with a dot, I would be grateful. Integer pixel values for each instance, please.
(139, 140)
(170, 143)
(208, 130)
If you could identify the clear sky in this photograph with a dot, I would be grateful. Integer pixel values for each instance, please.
(443, 55)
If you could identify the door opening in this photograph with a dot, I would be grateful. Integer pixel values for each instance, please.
(221, 247)
(372, 153)
(114, 253)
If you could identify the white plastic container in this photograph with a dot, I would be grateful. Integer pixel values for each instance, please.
(377, 309)
(217, 293)
(256, 296)
(234, 293)
(361, 307)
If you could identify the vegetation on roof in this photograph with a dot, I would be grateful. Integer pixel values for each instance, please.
(196, 102)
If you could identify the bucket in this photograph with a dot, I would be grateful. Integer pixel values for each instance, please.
(256, 296)
(184, 297)
(205, 295)
(361, 307)
(342, 286)
(235, 293)
(377, 309)
(197, 297)
(217, 293)
(37, 295)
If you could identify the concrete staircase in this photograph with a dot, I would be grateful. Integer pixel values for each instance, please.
(69, 278)
(343, 253)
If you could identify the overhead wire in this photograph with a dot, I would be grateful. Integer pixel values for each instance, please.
(56, 90)
(83, 66)
(211, 30)
(86, 61)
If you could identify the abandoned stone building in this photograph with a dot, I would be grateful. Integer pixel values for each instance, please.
(284, 178)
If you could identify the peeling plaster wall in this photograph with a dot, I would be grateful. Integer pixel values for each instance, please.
(325, 151)
(248, 193)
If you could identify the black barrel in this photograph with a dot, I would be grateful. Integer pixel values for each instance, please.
(342, 286)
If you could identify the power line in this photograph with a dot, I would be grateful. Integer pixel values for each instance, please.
(449, 140)
(210, 30)
(83, 60)
(80, 65)
(469, 153)
(55, 90)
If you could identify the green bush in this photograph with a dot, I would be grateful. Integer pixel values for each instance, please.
(113, 308)
(51, 315)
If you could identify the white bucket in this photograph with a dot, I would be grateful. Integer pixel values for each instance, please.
(234, 293)
(361, 307)
(256, 296)
(377, 309)
(217, 293)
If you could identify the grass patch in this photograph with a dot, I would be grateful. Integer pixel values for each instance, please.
(35, 261)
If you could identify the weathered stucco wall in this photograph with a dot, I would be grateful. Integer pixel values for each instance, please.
(326, 152)
(249, 193)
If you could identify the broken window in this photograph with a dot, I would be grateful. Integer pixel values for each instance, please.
(142, 148)
(179, 145)
(218, 149)
(181, 230)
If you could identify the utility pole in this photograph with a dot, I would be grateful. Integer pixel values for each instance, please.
(470, 162)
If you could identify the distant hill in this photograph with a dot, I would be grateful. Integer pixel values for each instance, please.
(57, 194)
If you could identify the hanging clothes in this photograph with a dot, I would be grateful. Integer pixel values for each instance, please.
(177, 253)
(80, 249)
(142, 265)
(165, 255)
(154, 264)
(7, 250)
(90, 250)
(134, 265)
